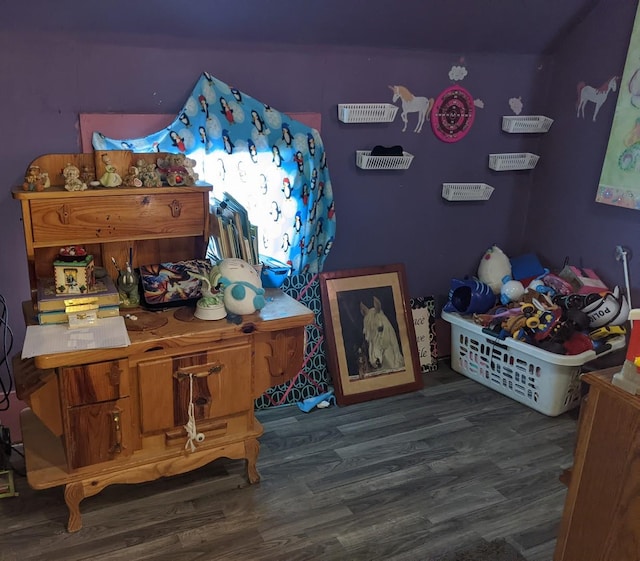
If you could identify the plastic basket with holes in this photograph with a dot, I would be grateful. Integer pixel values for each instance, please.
(364, 160)
(367, 112)
(505, 162)
(526, 123)
(466, 191)
(544, 381)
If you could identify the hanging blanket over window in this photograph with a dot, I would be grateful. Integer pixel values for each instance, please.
(274, 165)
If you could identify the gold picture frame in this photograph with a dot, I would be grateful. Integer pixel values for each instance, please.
(371, 341)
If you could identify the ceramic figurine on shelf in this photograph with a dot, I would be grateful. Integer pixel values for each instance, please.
(110, 178)
(132, 179)
(211, 305)
(36, 180)
(87, 175)
(148, 174)
(72, 181)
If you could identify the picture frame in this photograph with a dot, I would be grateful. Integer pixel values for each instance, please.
(423, 310)
(369, 333)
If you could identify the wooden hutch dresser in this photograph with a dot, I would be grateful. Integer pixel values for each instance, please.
(118, 415)
(601, 520)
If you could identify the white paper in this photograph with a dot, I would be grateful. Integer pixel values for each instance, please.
(53, 339)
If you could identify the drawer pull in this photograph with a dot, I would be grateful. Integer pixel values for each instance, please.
(186, 372)
(117, 432)
(63, 213)
(176, 208)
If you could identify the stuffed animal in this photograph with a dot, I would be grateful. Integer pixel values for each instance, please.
(177, 169)
(494, 266)
(241, 286)
(469, 296)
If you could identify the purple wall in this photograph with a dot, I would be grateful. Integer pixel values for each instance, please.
(563, 218)
(383, 217)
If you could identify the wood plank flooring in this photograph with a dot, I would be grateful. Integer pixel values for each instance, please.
(404, 478)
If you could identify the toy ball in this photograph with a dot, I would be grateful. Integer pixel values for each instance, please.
(494, 266)
(241, 286)
(470, 296)
(511, 291)
(610, 308)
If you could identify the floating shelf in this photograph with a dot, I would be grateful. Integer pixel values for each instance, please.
(505, 162)
(367, 112)
(466, 191)
(364, 160)
(526, 123)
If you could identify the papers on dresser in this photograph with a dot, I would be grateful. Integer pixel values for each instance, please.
(53, 339)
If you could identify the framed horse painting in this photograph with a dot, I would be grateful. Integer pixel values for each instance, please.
(370, 336)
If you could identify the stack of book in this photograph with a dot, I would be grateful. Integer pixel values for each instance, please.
(232, 234)
(100, 302)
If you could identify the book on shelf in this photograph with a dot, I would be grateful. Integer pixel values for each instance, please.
(104, 293)
(232, 233)
(48, 318)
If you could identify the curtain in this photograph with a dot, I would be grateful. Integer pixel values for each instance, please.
(274, 165)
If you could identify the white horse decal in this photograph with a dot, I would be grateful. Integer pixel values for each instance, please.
(412, 104)
(381, 342)
(597, 96)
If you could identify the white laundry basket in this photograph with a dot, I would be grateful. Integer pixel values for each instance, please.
(546, 382)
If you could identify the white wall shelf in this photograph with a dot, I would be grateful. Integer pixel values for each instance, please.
(526, 123)
(466, 191)
(509, 162)
(364, 160)
(367, 112)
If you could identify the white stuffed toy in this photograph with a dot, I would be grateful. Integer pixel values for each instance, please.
(241, 286)
(494, 266)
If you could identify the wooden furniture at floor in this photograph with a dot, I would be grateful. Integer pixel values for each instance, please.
(118, 415)
(601, 519)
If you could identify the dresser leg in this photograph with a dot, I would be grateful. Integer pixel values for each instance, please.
(251, 449)
(73, 494)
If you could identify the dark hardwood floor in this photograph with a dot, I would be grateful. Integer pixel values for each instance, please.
(403, 478)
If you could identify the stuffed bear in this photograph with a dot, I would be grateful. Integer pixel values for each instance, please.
(177, 169)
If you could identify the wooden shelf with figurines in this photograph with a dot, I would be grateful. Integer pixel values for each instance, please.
(113, 203)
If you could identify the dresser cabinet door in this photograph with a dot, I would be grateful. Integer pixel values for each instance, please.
(97, 433)
(278, 357)
(217, 382)
(96, 412)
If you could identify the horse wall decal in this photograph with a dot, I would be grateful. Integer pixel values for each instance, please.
(597, 96)
(412, 104)
(381, 341)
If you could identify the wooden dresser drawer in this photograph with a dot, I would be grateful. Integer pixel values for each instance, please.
(220, 384)
(94, 383)
(113, 217)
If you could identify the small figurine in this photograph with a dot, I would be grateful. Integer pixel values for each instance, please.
(128, 287)
(87, 175)
(148, 174)
(177, 169)
(36, 180)
(132, 179)
(72, 181)
(110, 178)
